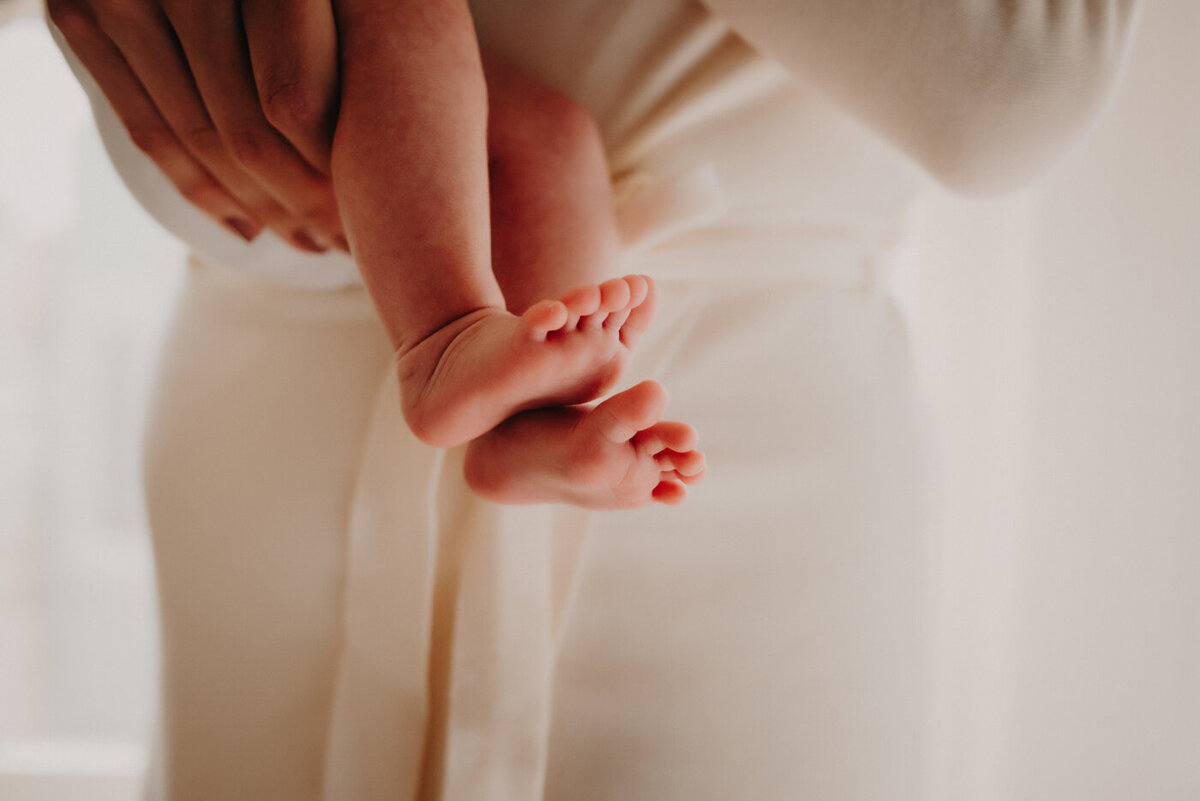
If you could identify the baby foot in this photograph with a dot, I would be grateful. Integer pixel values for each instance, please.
(468, 376)
(615, 456)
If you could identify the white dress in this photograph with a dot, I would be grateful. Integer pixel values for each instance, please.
(343, 620)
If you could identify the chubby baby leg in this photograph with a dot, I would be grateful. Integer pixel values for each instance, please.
(553, 223)
(553, 245)
(618, 455)
(410, 167)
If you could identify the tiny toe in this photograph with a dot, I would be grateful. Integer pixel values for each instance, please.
(677, 436)
(639, 287)
(623, 415)
(669, 492)
(582, 301)
(543, 317)
(693, 464)
(691, 479)
(686, 463)
(648, 443)
(594, 322)
(616, 320)
(614, 299)
(640, 314)
(666, 438)
(614, 295)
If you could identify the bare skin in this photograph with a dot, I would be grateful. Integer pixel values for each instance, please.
(410, 165)
(474, 200)
(617, 455)
(481, 369)
(434, 141)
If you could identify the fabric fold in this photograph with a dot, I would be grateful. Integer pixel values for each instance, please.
(381, 697)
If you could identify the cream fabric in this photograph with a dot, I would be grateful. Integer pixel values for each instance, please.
(343, 620)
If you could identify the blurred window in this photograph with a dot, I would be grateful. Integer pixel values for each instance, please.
(86, 286)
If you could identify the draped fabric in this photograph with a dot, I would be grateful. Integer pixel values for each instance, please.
(342, 619)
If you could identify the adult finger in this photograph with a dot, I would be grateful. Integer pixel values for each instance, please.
(150, 49)
(154, 67)
(214, 43)
(146, 126)
(294, 53)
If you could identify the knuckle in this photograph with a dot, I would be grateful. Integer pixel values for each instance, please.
(291, 103)
(251, 147)
(204, 141)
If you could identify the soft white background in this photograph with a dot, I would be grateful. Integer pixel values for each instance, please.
(1058, 331)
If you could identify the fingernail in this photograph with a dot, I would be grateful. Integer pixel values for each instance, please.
(304, 240)
(242, 228)
(341, 242)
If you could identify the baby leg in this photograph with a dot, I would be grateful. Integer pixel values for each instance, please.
(410, 171)
(553, 224)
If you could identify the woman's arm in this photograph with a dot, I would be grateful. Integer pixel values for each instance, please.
(982, 93)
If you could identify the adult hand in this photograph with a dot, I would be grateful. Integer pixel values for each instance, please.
(234, 100)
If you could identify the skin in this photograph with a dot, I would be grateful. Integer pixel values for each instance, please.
(476, 200)
(618, 455)
(410, 162)
(213, 94)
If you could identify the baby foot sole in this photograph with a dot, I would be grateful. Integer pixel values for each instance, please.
(618, 455)
(480, 369)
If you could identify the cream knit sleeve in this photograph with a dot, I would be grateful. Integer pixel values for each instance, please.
(982, 93)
